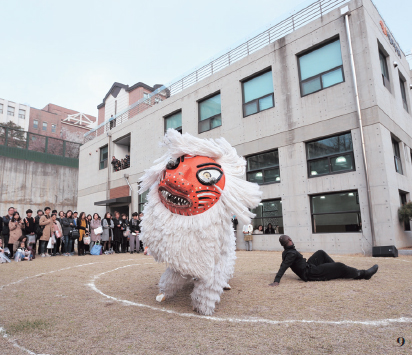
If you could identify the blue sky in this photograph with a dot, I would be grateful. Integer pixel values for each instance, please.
(70, 52)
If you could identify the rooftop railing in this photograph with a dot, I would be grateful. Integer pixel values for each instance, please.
(270, 35)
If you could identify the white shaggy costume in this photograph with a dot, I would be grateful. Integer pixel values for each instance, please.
(197, 248)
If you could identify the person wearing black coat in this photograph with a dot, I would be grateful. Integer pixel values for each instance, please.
(39, 229)
(30, 230)
(124, 228)
(319, 267)
(67, 224)
(117, 232)
(5, 230)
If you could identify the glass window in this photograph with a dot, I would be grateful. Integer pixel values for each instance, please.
(269, 216)
(397, 156)
(1, 108)
(258, 94)
(384, 70)
(174, 121)
(321, 68)
(403, 94)
(22, 113)
(35, 124)
(210, 114)
(44, 126)
(10, 111)
(142, 200)
(53, 128)
(336, 213)
(104, 152)
(403, 199)
(263, 168)
(330, 155)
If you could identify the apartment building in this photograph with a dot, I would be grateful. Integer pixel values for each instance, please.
(322, 114)
(15, 112)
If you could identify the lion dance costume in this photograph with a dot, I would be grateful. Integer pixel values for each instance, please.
(195, 189)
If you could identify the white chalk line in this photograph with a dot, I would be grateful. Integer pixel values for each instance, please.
(380, 322)
(3, 331)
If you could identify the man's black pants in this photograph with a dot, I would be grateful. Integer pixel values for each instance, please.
(323, 268)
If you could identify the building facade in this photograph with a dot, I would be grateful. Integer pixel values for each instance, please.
(291, 109)
(52, 121)
(17, 113)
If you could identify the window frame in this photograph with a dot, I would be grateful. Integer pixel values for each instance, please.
(402, 83)
(263, 218)
(209, 119)
(245, 80)
(387, 83)
(55, 128)
(339, 212)
(395, 144)
(106, 161)
(179, 129)
(263, 169)
(1, 107)
(142, 202)
(347, 152)
(35, 124)
(10, 113)
(44, 126)
(403, 200)
(312, 49)
(22, 115)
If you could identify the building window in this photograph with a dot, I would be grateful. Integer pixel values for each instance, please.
(174, 121)
(53, 128)
(321, 68)
(403, 199)
(1, 108)
(263, 168)
(35, 124)
(22, 114)
(269, 216)
(384, 70)
(142, 200)
(336, 213)
(145, 95)
(44, 126)
(258, 94)
(115, 107)
(397, 156)
(104, 152)
(10, 111)
(330, 155)
(210, 113)
(402, 83)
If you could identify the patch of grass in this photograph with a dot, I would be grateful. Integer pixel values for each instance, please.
(29, 326)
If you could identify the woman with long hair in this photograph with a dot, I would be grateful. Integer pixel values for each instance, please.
(67, 225)
(108, 226)
(117, 232)
(81, 226)
(95, 223)
(16, 226)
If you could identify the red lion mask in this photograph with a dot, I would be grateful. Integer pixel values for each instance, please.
(188, 186)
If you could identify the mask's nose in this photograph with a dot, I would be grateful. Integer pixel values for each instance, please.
(178, 179)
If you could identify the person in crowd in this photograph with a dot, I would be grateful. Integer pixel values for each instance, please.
(5, 230)
(94, 224)
(3, 257)
(75, 213)
(22, 253)
(117, 232)
(87, 247)
(319, 267)
(58, 233)
(269, 229)
(81, 224)
(61, 249)
(30, 232)
(247, 236)
(235, 222)
(16, 227)
(140, 242)
(47, 224)
(108, 226)
(67, 225)
(125, 232)
(259, 230)
(39, 229)
(134, 226)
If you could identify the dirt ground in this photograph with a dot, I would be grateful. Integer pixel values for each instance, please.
(106, 305)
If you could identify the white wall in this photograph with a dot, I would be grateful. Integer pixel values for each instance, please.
(4, 117)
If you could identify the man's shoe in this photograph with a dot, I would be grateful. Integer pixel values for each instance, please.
(370, 272)
(131, 252)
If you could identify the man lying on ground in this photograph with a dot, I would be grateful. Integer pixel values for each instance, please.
(319, 267)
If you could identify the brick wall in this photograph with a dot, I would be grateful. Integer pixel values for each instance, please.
(121, 191)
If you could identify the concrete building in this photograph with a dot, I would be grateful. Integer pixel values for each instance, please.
(60, 122)
(17, 113)
(287, 99)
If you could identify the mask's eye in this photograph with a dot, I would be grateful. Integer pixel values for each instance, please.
(173, 164)
(209, 176)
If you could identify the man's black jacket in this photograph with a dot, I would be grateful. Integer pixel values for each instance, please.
(291, 258)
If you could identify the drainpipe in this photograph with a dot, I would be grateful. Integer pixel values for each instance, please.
(126, 176)
(345, 12)
(109, 165)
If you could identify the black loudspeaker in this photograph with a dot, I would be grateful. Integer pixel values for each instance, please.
(386, 251)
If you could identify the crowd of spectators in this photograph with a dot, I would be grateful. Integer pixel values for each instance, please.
(121, 164)
(52, 233)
